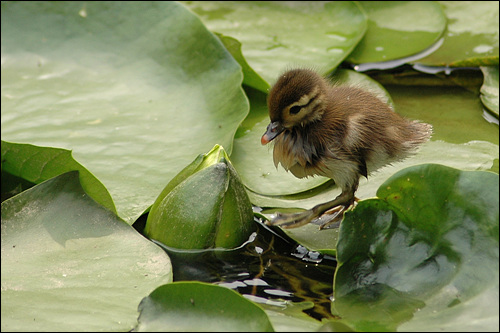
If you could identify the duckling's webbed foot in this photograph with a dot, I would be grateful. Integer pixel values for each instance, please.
(336, 208)
(330, 219)
(293, 220)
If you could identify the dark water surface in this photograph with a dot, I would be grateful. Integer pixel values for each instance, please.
(268, 267)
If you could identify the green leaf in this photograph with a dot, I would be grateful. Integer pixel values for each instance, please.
(68, 264)
(205, 206)
(429, 243)
(196, 306)
(134, 90)
(471, 38)
(398, 29)
(277, 35)
(38, 164)
(489, 90)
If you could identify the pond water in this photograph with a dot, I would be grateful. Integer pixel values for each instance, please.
(269, 268)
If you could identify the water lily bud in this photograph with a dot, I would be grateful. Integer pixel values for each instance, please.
(204, 206)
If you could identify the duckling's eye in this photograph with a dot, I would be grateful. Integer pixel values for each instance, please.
(295, 109)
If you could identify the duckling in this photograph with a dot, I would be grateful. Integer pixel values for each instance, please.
(340, 132)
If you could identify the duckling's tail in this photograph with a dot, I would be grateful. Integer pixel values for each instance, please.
(420, 133)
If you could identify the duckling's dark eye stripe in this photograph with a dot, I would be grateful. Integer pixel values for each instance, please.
(296, 108)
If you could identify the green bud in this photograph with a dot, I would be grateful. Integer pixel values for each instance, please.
(204, 206)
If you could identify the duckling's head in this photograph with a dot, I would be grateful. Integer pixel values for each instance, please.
(296, 99)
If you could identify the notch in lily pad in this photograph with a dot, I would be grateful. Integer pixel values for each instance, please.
(205, 206)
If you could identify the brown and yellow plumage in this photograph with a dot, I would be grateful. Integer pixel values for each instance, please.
(339, 132)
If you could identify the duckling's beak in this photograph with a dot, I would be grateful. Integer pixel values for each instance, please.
(273, 129)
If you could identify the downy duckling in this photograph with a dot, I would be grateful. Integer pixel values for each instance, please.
(339, 132)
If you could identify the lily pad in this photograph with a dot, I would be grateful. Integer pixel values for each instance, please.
(196, 306)
(398, 29)
(69, 264)
(471, 38)
(132, 89)
(489, 89)
(277, 35)
(429, 243)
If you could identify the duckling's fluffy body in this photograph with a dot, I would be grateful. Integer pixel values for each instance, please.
(339, 132)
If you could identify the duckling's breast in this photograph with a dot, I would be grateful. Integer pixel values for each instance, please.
(297, 154)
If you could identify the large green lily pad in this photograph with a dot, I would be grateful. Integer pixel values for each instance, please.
(69, 264)
(277, 35)
(430, 243)
(135, 90)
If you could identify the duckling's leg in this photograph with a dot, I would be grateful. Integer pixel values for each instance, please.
(294, 220)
